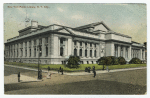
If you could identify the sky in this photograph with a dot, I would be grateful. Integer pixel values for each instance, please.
(128, 19)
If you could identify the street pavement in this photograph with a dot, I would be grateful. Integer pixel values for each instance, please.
(79, 73)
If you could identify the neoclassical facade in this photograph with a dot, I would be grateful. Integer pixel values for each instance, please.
(54, 44)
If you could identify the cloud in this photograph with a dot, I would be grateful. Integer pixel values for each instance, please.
(77, 17)
(60, 9)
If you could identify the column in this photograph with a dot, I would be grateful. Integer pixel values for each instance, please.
(28, 51)
(72, 51)
(88, 50)
(97, 50)
(32, 48)
(49, 46)
(129, 53)
(78, 49)
(37, 48)
(144, 54)
(119, 51)
(93, 49)
(43, 47)
(23, 49)
(58, 46)
(83, 49)
(69, 46)
(140, 56)
(124, 51)
(66, 47)
(19, 51)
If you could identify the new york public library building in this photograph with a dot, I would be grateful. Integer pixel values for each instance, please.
(54, 44)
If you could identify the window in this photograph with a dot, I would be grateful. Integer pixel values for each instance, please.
(40, 41)
(127, 52)
(90, 44)
(80, 43)
(85, 44)
(61, 41)
(80, 52)
(75, 43)
(121, 52)
(46, 40)
(30, 43)
(30, 52)
(86, 53)
(90, 53)
(116, 51)
(34, 52)
(46, 51)
(95, 53)
(95, 45)
(75, 52)
(34, 42)
(17, 52)
(26, 52)
(26, 44)
(61, 51)
(40, 50)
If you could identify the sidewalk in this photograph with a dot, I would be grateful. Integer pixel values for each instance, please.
(80, 73)
(14, 79)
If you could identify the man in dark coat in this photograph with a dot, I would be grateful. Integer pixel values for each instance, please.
(19, 77)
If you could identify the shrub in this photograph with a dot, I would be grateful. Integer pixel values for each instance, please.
(121, 60)
(110, 60)
(73, 62)
(102, 61)
(135, 61)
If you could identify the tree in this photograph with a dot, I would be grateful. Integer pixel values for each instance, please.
(73, 62)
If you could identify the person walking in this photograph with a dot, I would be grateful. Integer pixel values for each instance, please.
(62, 71)
(19, 77)
(94, 74)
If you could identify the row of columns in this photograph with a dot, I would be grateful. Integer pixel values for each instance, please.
(11, 49)
(123, 53)
(83, 47)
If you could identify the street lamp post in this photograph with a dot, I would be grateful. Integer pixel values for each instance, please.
(39, 77)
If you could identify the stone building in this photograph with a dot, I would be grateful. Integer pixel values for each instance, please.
(54, 44)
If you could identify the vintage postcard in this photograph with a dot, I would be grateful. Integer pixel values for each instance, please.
(90, 49)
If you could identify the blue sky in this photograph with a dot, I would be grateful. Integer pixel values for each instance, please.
(128, 19)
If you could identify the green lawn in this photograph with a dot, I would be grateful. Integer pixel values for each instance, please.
(81, 67)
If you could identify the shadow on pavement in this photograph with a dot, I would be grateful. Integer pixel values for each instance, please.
(83, 87)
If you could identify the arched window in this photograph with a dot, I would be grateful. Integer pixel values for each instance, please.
(34, 52)
(86, 53)
(95, 53)
(30, 52)
(61, 51)
(75, 52)
(46, 51)
(80, 52)
(90, 53)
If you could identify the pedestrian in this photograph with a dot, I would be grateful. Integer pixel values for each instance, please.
(93, 69)
(62, 71)
(19, 77)
(94, 74)
(48, 68)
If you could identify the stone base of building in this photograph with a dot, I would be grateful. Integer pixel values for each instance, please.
(49, 60)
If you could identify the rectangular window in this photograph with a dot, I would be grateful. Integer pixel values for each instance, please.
(86, 53)
(90, 44)
(95, 45)
(40, 41)
(90, 53)
(29, 43)
(34, 52)
(75, 43)
(35, 42)
(80, 43)
(85, 44)
(46, 51)
(46, 40)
